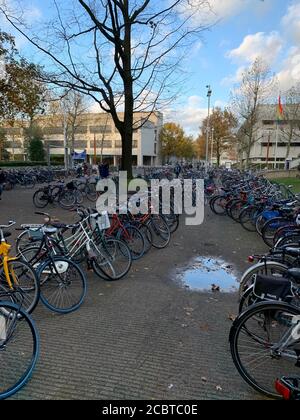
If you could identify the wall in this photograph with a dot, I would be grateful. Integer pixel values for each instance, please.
(281, 174)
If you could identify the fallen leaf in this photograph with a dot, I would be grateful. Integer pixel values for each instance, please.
(232, 318)
(203, 379)
(171, 386)
(219, 388)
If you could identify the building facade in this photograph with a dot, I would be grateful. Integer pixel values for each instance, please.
(94, 133)
(271, 140)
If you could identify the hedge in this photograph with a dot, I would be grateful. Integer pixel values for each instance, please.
(22, 164)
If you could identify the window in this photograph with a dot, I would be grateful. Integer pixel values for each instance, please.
(13, 131)
(107, 144)
(53, 130)
(81, 130)
(80, 143)
(94, 129)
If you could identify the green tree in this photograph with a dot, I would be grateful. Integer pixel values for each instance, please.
(174, 142)
(21, 92)
(222, 124)
(4, 154)
(34, 143)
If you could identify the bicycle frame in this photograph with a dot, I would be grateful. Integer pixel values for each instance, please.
(4, 252)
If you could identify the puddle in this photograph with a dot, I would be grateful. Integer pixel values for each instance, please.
(206, 272)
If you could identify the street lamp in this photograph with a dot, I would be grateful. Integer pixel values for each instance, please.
(212, 145)
(209, 93)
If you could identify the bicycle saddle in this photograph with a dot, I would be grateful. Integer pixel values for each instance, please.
(294, 252)
(294, 273)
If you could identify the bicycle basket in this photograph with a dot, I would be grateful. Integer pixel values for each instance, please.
(35, 234)
(273, 288)
(103, 221)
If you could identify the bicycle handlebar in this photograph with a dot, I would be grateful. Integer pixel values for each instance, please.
(10, 224)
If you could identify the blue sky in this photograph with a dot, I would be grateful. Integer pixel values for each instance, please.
(245, 29)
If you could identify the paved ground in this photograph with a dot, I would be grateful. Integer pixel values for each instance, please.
(144, 337)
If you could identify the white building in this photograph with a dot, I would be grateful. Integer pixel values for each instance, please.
(96, 134)
(271, 139)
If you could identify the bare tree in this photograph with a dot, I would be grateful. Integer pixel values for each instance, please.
(131, 53)
(291, 127)
(254, 90)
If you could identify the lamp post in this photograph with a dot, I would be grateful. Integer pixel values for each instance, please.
(209, 93)
(212, 145)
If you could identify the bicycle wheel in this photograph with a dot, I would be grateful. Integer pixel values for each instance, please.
(67, 199)
(19, 348)
(160, 232)
(235, 209)
(91, 192)
(25, 281)
(112, 259)
(40, 199)
(25, 240)
(261, 345)
(79, 196)
(63, 285)
(271, 227)
(146, 232)
(248, 218)
(218, 205)
(269, 268)
(134, 240)
(172, 221)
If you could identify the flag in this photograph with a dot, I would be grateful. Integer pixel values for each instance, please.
(280, 109)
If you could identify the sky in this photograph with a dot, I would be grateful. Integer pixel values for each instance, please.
(244, 30)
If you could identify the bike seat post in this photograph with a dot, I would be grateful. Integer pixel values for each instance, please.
(2, 236)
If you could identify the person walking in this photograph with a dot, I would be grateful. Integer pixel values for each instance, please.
(104, 170)
(177, 170)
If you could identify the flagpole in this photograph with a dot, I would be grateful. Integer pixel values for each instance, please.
(279, 115)
(276, 146)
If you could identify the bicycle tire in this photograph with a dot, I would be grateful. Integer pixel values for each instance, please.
(29, 292)
(272, 309)
(55, 280)
(21, 318)
(40, 199)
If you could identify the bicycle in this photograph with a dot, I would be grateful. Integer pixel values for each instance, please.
(66, 196)
(110, 258)
(63, 284)
(19, 347)
(17, 275)
(265, 344)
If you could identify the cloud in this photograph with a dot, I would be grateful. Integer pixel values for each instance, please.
(189, 116)
(267, 46)
(234, 78)
(290, 71)
(214, 10)
(25, 11)
(291, 22)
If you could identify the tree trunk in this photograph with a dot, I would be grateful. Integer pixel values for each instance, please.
(127, 132)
